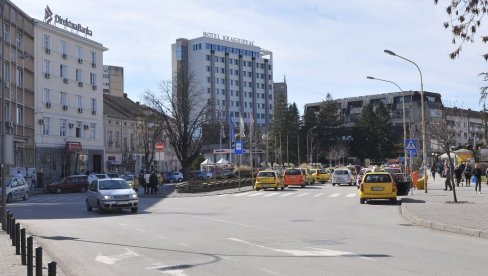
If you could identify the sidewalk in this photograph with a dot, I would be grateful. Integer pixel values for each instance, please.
(436, 209)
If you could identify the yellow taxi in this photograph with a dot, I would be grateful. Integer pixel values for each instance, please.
(377, 185)
(320, 175)
(268, 179)
(308, 176)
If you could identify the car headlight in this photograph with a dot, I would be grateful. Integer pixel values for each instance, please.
(107, 197)
(134, 195)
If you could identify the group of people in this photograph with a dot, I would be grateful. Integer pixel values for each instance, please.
(151, 186)
(465, 169)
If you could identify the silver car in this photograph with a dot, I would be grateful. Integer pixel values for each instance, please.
(342, 176)
(111, 194)
(17, 188)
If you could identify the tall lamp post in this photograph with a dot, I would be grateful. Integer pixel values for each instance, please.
(404, 122)
(309, 155)
(3, 128)
(424, 148)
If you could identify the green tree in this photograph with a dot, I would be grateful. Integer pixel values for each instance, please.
(328, 132)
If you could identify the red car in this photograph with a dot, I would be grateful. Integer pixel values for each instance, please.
(72, 183)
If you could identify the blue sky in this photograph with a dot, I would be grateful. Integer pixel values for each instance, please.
(321, 46)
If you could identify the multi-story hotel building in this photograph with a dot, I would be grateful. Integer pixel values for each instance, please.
(69, 100)
(17, 87)
(234, 75)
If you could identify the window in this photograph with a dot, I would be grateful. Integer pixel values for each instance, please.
(46, 97)
(64, 47)
(19, 118)
(93, 133)
(79, 52)
(208, 68)
(6, 71)
(64, 99)
(19, 77)
(63, 71)
(6, 31)
(79, 75)
(117, 139)
(47, 66)
(79, 101)
(93, 79)
(78, 129)
(93, 104)
(93, 57)
(46, 125)
(47, 42)
(18, 41)
(62, 127)
(110, 139)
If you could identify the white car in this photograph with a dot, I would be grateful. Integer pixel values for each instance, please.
(17, 188)
(111, 194)
(342, 176)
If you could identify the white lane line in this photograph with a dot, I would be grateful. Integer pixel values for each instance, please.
(222, 195)
(287, 194)
(351, 195)
(302, 195)
(256, 194)
(319, 194)
(243, 194)
(271, 194)
(335, 195)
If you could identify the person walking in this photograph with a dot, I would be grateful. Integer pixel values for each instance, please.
(458, 174)
(153, 182)
(461, 169)
(447, 172)
(142, 182)
(433, 170)
(33, 179)
(477, 174)
(467, 174)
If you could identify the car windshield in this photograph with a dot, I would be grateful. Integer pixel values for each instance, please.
(101, 176)
(113, 175)
(293, 172)
(321, 171)
(127, 177)
(113, 184)
(340, 172)
(377, 178)
(266, 174)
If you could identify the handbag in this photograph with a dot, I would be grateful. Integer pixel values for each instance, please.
(473, 179)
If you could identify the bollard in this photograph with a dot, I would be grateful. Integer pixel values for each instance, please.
(17, 238)
(51, 268)
(9, 215)
(38, 261)
(12, 230)
(22, 246)
(30, 256)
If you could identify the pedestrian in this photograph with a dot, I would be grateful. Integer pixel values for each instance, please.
(432, 170)
(477, 174)
(19, 174)
(92, 177)
(467, 174)
(440, 169)
(33, 179)
(458, 174)
(447, 172)
(142, 182)
(153, 182)
(461, 168)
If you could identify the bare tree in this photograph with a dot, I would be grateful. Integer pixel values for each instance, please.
(184, 114)
(151, 133)
(342, 151)
(443, 133)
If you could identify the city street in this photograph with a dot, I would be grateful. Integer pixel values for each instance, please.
(318, 230)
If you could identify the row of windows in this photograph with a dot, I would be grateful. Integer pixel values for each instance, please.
(245, 115)
(221, 70)
(64, 49)
(236, 83)
(246, 94)
(77, 129)
(246, 104)
(63, 100)
(226, 49)
(114, 141)
(64, 72)
(19, 113)
(19, 74)
(19, 38)
(244, 63)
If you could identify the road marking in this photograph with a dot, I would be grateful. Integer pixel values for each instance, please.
(168, 269)
(302, 195)
(223, 195)
(256, 194)
(110, 260)
(335, 195)
(306, 253)
(351, 195)
(319, 194)
(287, 194)
(271, 194)
(242, 194)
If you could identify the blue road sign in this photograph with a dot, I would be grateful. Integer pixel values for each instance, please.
(411, 144)
(239, 146)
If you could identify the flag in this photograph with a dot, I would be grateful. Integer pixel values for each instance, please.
(231, 129)
(242, 133)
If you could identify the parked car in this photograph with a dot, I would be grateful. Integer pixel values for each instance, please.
(268, 179)
(378, 185)
(17, 188)
(111, 194)
(72, 183)
(132, 180)
(293, 177)
(342, 176)
(173, 177)
(113, 175)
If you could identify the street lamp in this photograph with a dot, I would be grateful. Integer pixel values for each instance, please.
(3, 128)
(309, 155)
(424, 148)
(404, 123)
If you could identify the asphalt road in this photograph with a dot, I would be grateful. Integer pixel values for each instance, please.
(318, 230)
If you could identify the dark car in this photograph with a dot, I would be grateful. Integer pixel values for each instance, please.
(72, 183)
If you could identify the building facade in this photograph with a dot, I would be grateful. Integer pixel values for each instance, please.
(69, 134)
(468, 126)
(113, 80)
(233, 75)
(280, 92)
(17, 87)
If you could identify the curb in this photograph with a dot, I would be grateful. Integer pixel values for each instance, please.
(441, 226)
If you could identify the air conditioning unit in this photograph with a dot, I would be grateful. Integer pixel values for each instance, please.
(47, 75)
(94, 65)
(71, 125)
(7, 84)
(48, 50)
(94, 87)
(80, 84)
(80, 110)
(65, 107)
(85, 126)
(41, 121)
(9, 124)
(48, 104)
(66, 80)
(65, 56)
(94, 112)
(80, 61)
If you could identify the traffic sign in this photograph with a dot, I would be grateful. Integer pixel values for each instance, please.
(159, 147)
(239, 146)
(411, 144)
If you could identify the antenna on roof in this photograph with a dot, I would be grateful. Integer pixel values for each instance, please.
(284, 78)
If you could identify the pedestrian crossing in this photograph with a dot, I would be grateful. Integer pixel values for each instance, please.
(289, 194)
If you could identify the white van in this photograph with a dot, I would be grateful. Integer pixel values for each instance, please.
(17, 188)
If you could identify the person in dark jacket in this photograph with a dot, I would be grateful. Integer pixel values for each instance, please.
(458, 173)
(142, 182)
(447, 172)
(467, 174)
(153, 183)
(477, 174)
